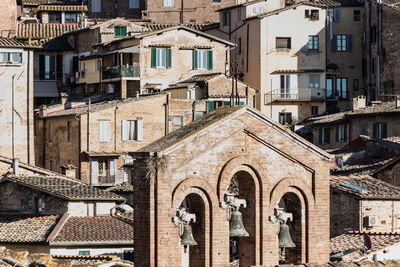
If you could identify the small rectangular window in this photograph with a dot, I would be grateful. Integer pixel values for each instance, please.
(283, 42)
(239, 47)
(313, 42)
(168, 2)
(98, 65)
(311, 14)
(96, 6)
(356, 15)
(71, 18)
(4, 57)
(341, 42)
(54, 17)
(203, 59)
(314, 110)
(239, 15)
(341, 133)
(285, 118)
(133, 3)
(356, 85)
(341, 86)
(120, 31)
(177, 122)
(324, 135)
(104, 130)
(364, 129)
(379, 130)
(314, 81)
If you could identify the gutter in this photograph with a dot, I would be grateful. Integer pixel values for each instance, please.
(88, 243)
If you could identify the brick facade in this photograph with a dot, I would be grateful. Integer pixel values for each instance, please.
(200, 167)
(8, 18)
(117, 8)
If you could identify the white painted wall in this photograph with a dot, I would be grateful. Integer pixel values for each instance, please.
(93, 251)
(82, 209)
(391, 253)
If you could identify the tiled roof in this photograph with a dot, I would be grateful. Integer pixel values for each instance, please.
(122, 187)
(78, 8)
(63, 187)
(365, 186)
(324, 119)
(26, 230)
(95, 229)
(60, 43)
(200, 77)
(384, 107)
(158, 26)
(189, 129)
(42, 2)
(43, 31)
(354, 240)
(97, 106)
(7, 42)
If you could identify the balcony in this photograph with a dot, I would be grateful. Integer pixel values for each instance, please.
(109, 179)
(124, 71)
(300, 94)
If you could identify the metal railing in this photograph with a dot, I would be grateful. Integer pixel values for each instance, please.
(110, 179)
(128, 71)
(300, 94)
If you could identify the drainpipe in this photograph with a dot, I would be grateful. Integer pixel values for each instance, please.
(181, 13)
(378, 46)
(167, 115)
(12, 119)
(16, 166)
(28, 108)
(368, 45)
(88, 125)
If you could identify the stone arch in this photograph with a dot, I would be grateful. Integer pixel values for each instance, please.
(190, 187)
(306, 198)
(245, 163)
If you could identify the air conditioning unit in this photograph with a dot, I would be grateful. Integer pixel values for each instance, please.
(371, 221)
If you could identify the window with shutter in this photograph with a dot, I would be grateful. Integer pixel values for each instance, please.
(93, 171)
(203, 59)
(161, 57)
(104, 130)
(139, 129)
(364, 129)
(133, 3)
(96, 6)
(336, 15)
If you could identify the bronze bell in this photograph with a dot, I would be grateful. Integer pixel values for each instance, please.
(285, 241)
(236, 227)
(187, 236)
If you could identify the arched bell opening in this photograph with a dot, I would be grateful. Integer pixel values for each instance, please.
(292, 231)
(242, 221)
(194, 255)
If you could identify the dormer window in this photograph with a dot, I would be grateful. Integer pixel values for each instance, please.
(120, 31)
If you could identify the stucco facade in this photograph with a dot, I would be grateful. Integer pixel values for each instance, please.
(16, 104)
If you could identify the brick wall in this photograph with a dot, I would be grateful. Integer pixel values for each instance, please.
(8, 18)
(117, 8)
(203, 164)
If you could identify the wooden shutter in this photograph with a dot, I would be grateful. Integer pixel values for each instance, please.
(169, 57)
(125, 130)
(153, 57)
(328, 135)
(334, 43)
(349, 43)
(113, 166)
(336, 16)
(59, 67)
(384, 130)
(93, 171)
(345, 133)
(117, 31)
(139, 130)
(209, 59)
(195, 59)
(375, 130)
(107, 131)
(210, 106)
(337, 133)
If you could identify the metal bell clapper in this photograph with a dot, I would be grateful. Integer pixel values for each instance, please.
(233, 203)
(183, 219)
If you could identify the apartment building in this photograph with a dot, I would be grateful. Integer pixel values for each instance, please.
(16, 100)
(150, 62)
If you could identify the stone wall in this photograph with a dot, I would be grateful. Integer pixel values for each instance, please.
(8, 18)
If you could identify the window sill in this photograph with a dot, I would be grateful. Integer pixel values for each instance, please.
(10, 64)
(282, 49)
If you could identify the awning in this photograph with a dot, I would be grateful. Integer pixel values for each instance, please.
(131, 49)
(105, 154)
(45, 89)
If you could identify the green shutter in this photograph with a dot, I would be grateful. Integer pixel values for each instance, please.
(123, 31)
(210, 106)
(169, 57)
(384, 130)
(375, 130)
(242, 103)
(210, 60)
(227, 103)
(153, 57)
(194, 59)
(117, 31)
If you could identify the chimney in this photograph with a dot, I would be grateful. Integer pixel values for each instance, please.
(43, 111)
(68, 170)
(64, 98)
(359, 102)
(16, 166)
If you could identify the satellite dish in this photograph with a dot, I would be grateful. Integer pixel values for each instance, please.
(339, 162)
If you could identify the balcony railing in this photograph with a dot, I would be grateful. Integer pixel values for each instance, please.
(110, 179)
(128, 71)
(300, 94)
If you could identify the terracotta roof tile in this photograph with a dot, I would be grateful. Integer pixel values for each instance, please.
(43, 31)
(7, 42)
(95, 229)
(63, 187)
(26, 230)
(60, 2)
(78, 8)
(365, 187)
(123, 188)
(354, 240)
(159, 26)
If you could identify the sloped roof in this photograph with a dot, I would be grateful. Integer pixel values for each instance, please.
(354, 240)
(161, 26)
(63, 187)
(381, 108)
(13, 43)
(102, 229)
(212, 118)
(42, 2)
(124, 187)
(78, 8)
(365, 187)
(27, 230)
(204, 77)
(43, 31)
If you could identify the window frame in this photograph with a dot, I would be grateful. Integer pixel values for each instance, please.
(339, 89)
(356, 15)
(120, 31)
(104, 137)
(341, 42)
(206, 62)
(279, 40)
(54, 16)
(286, 118)
(314, 81)
(314, 41)
(134, 4)
(168, 3)
(69, 14)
